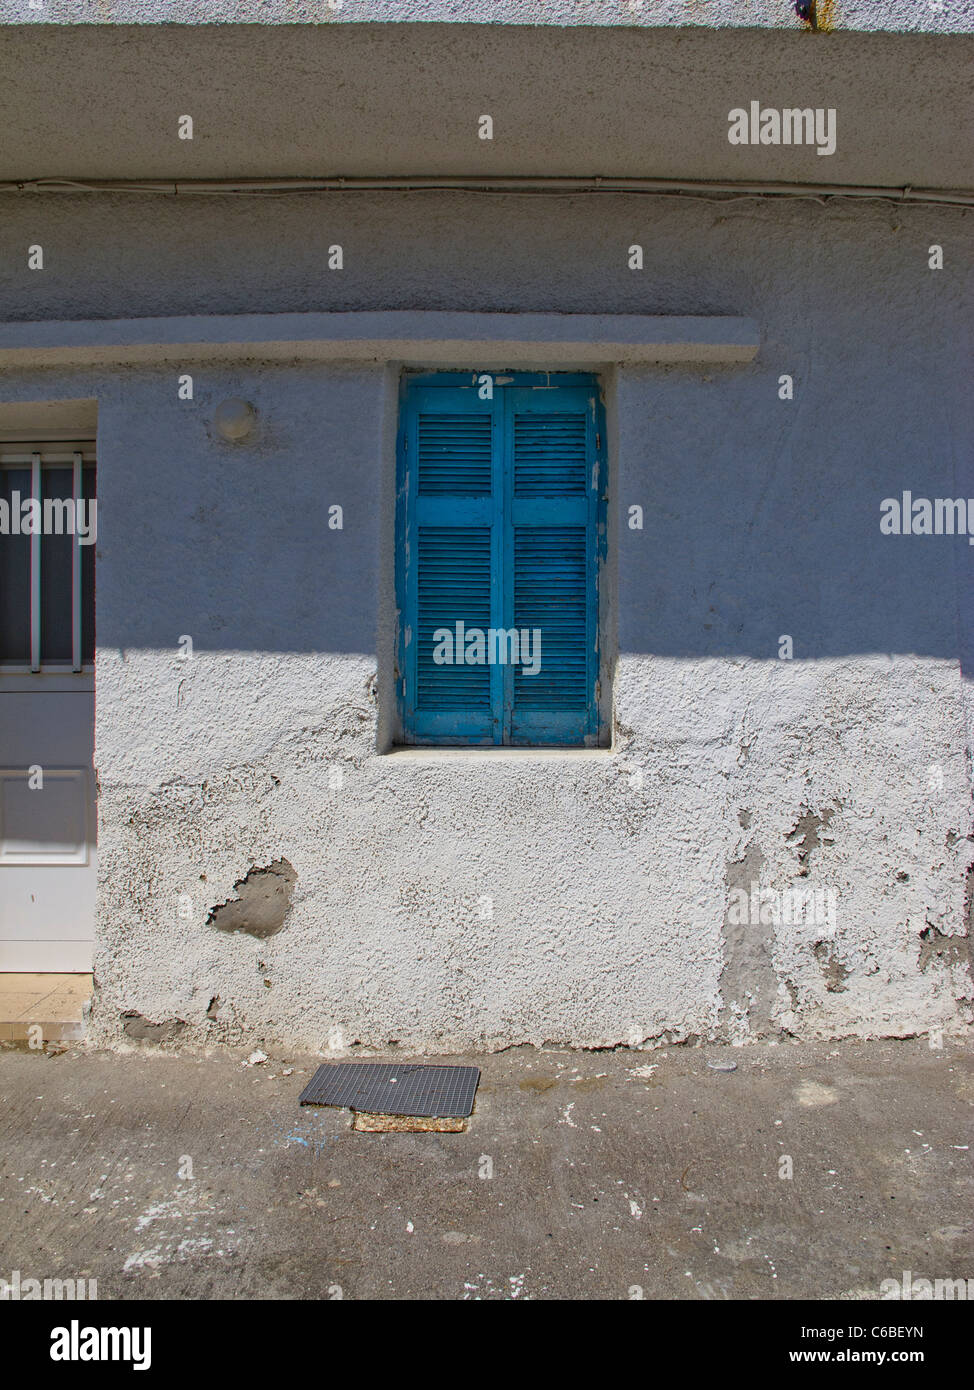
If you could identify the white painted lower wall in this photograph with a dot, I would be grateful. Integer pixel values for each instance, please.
(609, 874)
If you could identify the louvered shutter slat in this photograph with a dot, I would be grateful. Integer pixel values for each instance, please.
(550, 455)
(454, 585)
(454, 455)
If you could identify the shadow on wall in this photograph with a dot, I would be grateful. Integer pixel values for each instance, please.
(761, 524)
(740, 519)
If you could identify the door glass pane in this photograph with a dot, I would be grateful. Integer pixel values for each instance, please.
(14, 573)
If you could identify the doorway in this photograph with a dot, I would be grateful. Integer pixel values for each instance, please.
(48, 857)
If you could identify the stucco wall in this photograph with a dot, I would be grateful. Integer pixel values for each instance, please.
(609, 873)
(906, 15)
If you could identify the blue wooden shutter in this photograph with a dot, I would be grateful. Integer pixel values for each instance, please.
(500, 525)
(552, 557)
(450, 490)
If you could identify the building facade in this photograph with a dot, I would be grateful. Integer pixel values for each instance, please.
(531, 592)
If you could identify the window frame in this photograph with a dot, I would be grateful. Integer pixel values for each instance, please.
(443, 729)
(38, 457)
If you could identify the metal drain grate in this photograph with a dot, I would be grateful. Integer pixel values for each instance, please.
(386, 1089)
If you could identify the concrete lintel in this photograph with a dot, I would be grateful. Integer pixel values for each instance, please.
(425, 337)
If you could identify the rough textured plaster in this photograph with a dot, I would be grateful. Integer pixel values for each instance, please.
(607, 872)
(942, 16)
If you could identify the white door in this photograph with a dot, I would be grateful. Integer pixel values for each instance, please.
(47, 706)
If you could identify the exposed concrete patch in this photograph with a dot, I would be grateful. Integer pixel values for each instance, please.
(938, 946)
(833, 969)
(811, 832)
(142, 1030)
(262, 902)
(748, 985)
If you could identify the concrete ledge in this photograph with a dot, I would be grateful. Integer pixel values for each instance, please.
(428, 338)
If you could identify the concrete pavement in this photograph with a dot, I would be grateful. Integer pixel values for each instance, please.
(581, 1175)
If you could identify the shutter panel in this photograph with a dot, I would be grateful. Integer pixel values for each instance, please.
(553, 565)
(451, 446)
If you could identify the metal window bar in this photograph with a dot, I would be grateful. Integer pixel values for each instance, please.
(76, 490)
(35, 566)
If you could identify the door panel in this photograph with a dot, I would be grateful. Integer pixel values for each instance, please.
(48, 859)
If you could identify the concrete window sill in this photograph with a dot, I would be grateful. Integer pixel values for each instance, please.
(422, 754)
